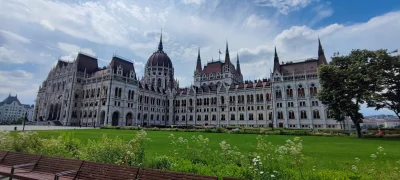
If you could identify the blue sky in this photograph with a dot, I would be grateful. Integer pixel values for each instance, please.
(34, 34)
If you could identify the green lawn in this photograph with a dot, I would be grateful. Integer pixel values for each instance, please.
(324, 152)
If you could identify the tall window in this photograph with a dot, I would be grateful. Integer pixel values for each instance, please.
(313, 90)
(291, 115)
(223, 117)
(316, 114)
(329, 114)
(289, 91)
(267, 97)
(241, 117)
(232, 117)
(303, 114)
(278, 92)
(280, 115)
(300, 91)
(261, 116)
(251, 116)
(159, 82)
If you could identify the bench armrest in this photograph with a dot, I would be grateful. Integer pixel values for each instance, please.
(23, 165)
(65, 173)
(19, 166)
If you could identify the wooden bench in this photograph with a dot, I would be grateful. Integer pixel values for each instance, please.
(52, 168)
(3, 154)
(92, 171)
(153, 174)
(14, 162)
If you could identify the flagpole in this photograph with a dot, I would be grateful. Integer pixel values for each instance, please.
(219, 54)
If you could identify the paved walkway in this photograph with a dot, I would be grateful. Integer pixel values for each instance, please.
(32, 127)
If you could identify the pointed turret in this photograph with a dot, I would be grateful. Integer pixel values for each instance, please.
(160, 45)
(238, 65)
(198, 64)
(321, 53)
(276, 62)
(227, 58)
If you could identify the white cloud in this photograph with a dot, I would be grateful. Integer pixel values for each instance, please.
(8, 55)
(72, 51)
(197, 2)
(12, 36)
(301, 41)
(16, 74)
(17, 82)
(322, 11)
(254, 21)
(284, 6)
(47, 25)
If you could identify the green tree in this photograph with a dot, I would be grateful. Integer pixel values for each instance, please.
(347, 82)
(388, 95)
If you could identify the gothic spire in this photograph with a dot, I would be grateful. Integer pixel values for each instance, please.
(160, 46)
(227, 58)
(320, 49)
(198, 64)
(238, 64)
(321, 54)
(276, 61)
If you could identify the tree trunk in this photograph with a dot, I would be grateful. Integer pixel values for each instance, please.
(358, 128)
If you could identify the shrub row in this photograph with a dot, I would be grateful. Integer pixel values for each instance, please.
(238, 130)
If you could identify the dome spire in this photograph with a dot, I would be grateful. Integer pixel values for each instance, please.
(160, 46)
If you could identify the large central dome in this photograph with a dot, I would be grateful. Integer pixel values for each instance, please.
(159, 58)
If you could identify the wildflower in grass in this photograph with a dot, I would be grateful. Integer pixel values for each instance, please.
(373, 156)
(354, 168)
(272, 176)
(357, 159)
(380, 149)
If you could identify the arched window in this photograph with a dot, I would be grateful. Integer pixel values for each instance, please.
(303, 115)
(313, 90)
(316, 114)
(198, 118)
(329, 114)
(280, 115)
(251, 116)
(267, 97)
(289, 91)
(270, 116)
(222, 100)
(159, 82)
(300, 91)
(206, 117)
(260, 116)
(291, 115)
(232, 117)
(241, 117)
(214, 117)
(278, 92)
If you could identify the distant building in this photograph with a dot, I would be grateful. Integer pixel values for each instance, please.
(82, 93)
(12, 109)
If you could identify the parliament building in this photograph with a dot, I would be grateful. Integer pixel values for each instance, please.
(80, 93)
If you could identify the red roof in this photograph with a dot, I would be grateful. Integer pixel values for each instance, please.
(213, 67)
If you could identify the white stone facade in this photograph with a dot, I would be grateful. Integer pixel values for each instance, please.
(80, 93)
(12, 109)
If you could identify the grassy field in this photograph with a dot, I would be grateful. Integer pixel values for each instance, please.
(324, 152)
